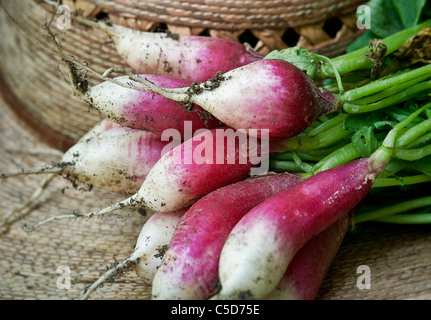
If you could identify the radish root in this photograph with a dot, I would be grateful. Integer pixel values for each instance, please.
(119, 205)
(111, 274)
(56, 168)
(26, 208)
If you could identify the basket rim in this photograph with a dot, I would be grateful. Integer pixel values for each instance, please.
(231, 15)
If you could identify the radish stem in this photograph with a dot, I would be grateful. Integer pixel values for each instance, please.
(401, 181)
(399, 97)
(418, 218)
(356, 60)
(391, 210)
(385, 83)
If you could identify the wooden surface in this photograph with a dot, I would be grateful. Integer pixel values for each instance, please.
(399, 257)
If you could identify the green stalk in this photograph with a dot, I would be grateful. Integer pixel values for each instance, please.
(414, 133)
(312, 156)
(390, 91)
(327, 124)
(418, 218)
(407, 94)
(391, 210)
(356, 60)
(385, 83)
(424, 139)
(288, 166)
(306, 143)
(413, 154)
(401, 181)
(341, 156)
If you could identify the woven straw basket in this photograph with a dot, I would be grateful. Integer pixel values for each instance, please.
(40, 116)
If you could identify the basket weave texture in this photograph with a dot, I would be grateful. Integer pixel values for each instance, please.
(38, 111)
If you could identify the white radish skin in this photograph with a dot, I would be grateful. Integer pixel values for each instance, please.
(196, 58)
(153, 241)
(103, 125)
(116, 160)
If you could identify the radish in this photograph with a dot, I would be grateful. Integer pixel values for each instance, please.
(196, 58)
(207, 161)
(269, 94)
(150, 246)
(189, 268)
(261, 246)
(146, 110)
(200, 165)
(129, 103)
(305, 273)
(101, 126)
(117, 160)
(27, 206)
(153, 242)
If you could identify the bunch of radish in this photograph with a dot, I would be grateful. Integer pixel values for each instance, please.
(224, 226)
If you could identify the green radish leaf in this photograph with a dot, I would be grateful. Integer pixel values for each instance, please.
(385, 19)
(365, 141)
(384, 124)
(316, 66)
(409, 11)
(305, 60)
(355, 122)
(390, 16)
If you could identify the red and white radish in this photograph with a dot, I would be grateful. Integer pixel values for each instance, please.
(103, 125)
(146, 110)
(189, 269)
(270, 94)
(263, 243)
(152, 241)
(207, 161)
(117, 160)
(197, 58)
(309, 266)
(129, 103)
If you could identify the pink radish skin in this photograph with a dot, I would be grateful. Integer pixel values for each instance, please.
(196, 58)
(261, 246)
(269, 95)
(146, 110)
(178, 179)
(153, 241)
(310, 265)
(189, 269)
